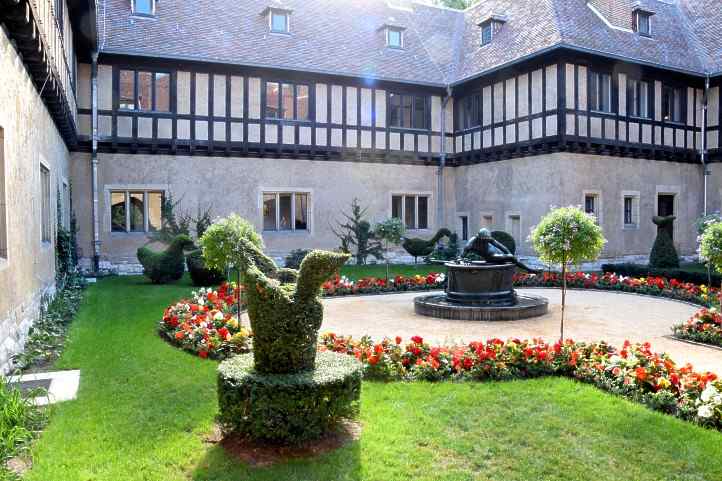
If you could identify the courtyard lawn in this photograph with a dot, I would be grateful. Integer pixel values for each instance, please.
(145, 408)
(354, 272)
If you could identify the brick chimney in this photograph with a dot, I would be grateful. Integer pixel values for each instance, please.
(616, 12)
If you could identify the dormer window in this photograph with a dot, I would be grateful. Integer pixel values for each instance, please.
(143, 7)
(490, 26)
(279, 19)
(393, 34)
(394, 37)
(642, 21)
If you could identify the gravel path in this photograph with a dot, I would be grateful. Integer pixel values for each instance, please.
(590, 316)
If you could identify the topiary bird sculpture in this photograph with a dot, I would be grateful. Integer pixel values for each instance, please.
(166, 266)
(420, 247)
(285, 317)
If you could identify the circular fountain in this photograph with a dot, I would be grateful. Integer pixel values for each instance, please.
(482, 290)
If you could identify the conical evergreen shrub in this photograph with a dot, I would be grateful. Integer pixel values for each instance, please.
(663, 255)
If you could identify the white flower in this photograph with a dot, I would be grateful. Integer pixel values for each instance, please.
(705, 411)
(218, 316)
(709, 392)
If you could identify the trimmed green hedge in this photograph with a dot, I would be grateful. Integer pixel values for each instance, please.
(638, 270)
(288, 408)
(202, 275)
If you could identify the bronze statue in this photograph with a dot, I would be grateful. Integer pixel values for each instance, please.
(491, 250)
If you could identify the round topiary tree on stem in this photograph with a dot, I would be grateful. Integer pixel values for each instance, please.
(389, 231)
(567, 236)
(284, 392)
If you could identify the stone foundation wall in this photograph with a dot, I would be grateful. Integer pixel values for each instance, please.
(16, 324)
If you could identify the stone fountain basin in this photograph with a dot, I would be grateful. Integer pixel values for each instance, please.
(480, 283)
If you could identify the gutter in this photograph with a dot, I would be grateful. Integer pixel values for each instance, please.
(440, 213)
(94, 161)
(703, 154)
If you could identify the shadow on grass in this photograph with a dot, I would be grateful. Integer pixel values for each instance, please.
(341, 464)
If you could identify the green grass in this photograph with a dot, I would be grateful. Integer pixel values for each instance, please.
(379, 270)
(144, 409)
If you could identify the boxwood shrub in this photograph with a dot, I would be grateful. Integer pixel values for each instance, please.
(201, 274)
(288, 408)
(638, 270)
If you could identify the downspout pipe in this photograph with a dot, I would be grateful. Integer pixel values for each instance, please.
(441, 211)
(703, 153)
(94, 161)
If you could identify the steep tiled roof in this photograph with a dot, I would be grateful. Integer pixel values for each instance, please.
(705, 20)
(327, 36)
(442, 46)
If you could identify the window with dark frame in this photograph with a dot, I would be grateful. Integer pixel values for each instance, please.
(464, 227)
(59, 15)
(394, 37)
(144, 91)
(642, 22)
(412, 209)
(408, 111)
(144, 7)
(672, 104)
(287, 101)
(285, 211)
(135, 210)
(628, 219)
(600, 93)
(638, 98)
(590, 204)
(469, 112)
(46, 226)
(487, 32)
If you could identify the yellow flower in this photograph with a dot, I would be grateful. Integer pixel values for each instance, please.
(244, 332)
(663, 382)
(233, 322)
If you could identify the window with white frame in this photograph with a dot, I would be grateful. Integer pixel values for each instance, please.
(592, 204)
(600, 92)
(630, 210)
(3, 204)
(46, 225)
(279, 20)
(412, 209)
(143, 7)
(136, 210)
(285, 211)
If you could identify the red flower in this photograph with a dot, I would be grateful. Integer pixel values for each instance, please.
(398, 339)
(203, 354)
(223, 333)
(373, 360)
(417, 339)
(641, 373)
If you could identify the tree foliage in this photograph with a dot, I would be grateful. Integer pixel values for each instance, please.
(711, 245)
(389, 231)
(457, 4)
(567, 236)
(221, 242)
(356, 235)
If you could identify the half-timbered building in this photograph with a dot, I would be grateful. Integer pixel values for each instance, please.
(284, 111)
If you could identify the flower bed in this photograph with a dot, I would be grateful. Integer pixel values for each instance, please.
(207, 323)
(652, 286)
(705, 326)
(633, 371)
(342, 286)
